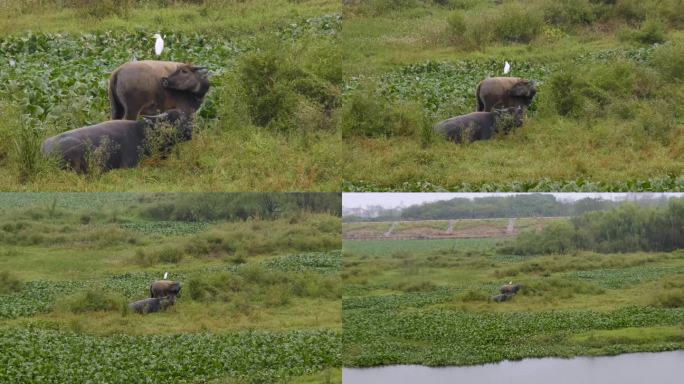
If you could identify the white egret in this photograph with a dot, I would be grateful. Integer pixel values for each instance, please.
(12, 62)
(166, 274)
(507, 68)
(159, 44)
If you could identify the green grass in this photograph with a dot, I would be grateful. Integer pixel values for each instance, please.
(64, 60)
(77, 260)
(428, 302)
(407, 59)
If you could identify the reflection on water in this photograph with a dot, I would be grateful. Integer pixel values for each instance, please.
(632, 368)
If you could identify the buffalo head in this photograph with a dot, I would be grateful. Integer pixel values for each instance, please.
(174, 117)
(188, 78)
(524, 88)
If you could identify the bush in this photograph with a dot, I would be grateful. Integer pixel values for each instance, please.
(256, 284)
(517, 24)
(92, 300)
(589, 91)
(668, 59)
(278, 87)
(367, 114)
(456, 25)
(568, 13)
(652, 31)
(9, 283)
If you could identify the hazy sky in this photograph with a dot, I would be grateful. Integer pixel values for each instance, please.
(394, 199)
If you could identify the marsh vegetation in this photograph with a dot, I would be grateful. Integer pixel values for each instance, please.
(260, 300)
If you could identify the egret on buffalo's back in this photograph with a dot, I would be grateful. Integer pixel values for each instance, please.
(159, 44)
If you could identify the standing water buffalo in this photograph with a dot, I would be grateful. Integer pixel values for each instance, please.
(164, 288)
(149, 87)
(150, 305)
(511, 288)
(479, 125)
(504, 92)
(116, 143)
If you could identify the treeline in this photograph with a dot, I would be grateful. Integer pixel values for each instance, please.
(532, 205)
(237, 206)
(627, 228)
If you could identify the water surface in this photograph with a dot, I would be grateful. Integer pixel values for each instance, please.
(632, 368)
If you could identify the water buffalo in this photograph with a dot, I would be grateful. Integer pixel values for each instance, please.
(117, 143)
(511, 288)
(150, 87)
(150, 305)
(502, 297)
(162, 288)
(479, 125)
(504, 92)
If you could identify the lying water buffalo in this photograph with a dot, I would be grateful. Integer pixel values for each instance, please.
(511, 288)
(503, 297)
(117, 143)
(150, 305)
(150, 87)
(479, 125)
(164, 288)
(504, 92)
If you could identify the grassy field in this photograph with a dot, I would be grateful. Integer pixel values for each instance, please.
(260, 301)
(607, 115)
(428, 302)
(269, 122)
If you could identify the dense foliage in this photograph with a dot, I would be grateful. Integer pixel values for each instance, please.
(627, 228)
(240, 206)
(520, 205)
(257, 357)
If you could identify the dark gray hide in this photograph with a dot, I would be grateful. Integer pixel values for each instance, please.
(504, 92)
(150, 305)
(502, 297)
(511, 288)
(478, 125)
(163, 288)
(115, 143)
(149, 87)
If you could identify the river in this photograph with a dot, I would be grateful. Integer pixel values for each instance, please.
(631, 368)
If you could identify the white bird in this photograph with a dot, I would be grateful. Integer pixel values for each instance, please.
(12, 62)
(509, 283)
(159, 44)
(166, 274)
(507, 68)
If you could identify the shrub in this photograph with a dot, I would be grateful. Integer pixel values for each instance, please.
(517, 24)
(278, 87)
(652, 31)
(259, 285)
(668, 59)
(92, 300)
(9, 283)
(456, 25)
(367, 114)
(568, 13)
